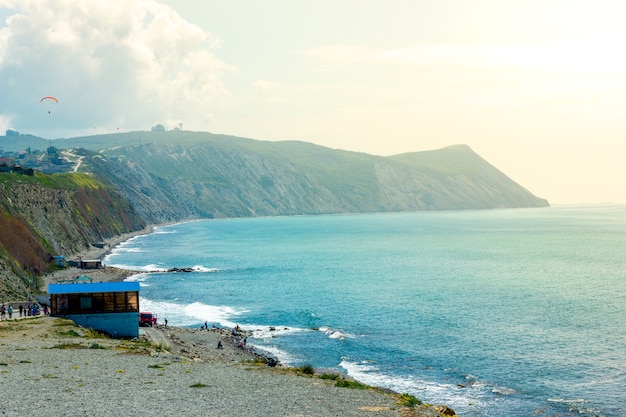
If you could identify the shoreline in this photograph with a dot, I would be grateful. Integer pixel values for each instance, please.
(201, 345)
(104, 274)
(49, 363)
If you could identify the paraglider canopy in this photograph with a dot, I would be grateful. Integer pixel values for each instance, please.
(49, 99)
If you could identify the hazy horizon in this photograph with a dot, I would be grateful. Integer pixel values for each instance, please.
(536, 88)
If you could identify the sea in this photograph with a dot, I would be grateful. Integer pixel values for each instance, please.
(512, 312)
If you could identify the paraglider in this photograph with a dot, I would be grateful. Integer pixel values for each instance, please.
(51, 98)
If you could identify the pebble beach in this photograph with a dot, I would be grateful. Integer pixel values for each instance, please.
(50, 366)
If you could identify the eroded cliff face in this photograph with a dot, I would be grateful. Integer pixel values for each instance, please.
(45, 216)
(237, 178)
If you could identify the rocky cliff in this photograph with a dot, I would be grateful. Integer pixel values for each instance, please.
(48, 215)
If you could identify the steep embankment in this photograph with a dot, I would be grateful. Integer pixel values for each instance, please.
(49, 215)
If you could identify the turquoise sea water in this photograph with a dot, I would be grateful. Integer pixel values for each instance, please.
(495, 313)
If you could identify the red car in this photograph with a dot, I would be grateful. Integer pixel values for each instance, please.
(147, 319)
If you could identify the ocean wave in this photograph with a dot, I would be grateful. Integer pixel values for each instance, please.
(187, 315)
(268, 332)
(162, 231)
(141, 277)
(283, 357)
(335, 334)
(143, 268)
(503, 391)
(201, 268)
(153, 268)
(452, 395)
(567, 401)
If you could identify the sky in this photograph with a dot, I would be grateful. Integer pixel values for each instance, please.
(535, 87)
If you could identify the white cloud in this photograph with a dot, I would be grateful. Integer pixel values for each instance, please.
(127, 64)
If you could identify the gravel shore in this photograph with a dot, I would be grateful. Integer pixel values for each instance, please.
(49, 366)
(106, 274)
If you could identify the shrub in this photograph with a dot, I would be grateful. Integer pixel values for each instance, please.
(408, 400)
(95, 334)
(343, 383)
(70, 332)
(307, 369)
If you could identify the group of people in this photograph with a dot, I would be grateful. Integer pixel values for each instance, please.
(25, 310)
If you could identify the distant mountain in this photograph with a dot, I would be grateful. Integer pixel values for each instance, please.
(175, 175)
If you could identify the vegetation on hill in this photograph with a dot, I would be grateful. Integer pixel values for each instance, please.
(46, 215)
(178, 175)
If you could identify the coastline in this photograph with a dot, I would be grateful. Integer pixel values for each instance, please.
(185, 345)
(104, 274)
(67, 370)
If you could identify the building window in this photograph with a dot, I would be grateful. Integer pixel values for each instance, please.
(85, 303)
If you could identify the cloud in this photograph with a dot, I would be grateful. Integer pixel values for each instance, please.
(127, 64)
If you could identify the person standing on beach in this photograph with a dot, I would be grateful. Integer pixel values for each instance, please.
(10, 311)
(21, 309)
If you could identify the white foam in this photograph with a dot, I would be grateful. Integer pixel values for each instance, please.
(153, 268)
(202, 268)
(268, 332)
(191, 314)
(452, 395)
(503, 391)
(141, 277)
(282, 356)
(335, 334)
(223, 315)
(162, 231)
(566, 401)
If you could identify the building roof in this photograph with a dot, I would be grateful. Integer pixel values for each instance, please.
(93, 287)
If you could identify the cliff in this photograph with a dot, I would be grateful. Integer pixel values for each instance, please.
(126, 180)
(47, 215)
(179, 175)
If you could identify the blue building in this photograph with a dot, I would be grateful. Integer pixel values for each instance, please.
(111, 307)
